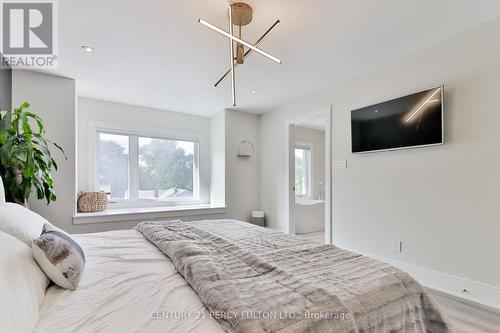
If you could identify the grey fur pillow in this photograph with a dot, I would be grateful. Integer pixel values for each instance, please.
(59, 256)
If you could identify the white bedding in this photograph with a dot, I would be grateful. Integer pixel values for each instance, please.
(127, 285)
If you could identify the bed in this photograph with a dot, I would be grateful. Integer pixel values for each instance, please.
(213, 276)
(128, 286)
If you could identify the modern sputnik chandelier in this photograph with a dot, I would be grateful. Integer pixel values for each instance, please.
(240, 14)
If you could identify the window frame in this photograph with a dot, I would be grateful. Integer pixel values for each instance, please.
(134, 201)
(308, 169)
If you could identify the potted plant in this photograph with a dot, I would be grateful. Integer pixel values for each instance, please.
(25, 159)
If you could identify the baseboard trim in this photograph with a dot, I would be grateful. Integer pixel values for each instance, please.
(466, 302)
(477, 292)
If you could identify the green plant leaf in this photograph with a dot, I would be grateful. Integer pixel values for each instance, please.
(38, 120)
(29, 170)
(22, 147)
(3, 136)
(25, 124)
(24, 106)
(62, 150)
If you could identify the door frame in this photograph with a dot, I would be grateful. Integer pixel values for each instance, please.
(323, 112)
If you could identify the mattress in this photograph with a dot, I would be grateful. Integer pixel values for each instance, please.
(128, 286)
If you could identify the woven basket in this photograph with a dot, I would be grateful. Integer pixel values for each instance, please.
(92, 202)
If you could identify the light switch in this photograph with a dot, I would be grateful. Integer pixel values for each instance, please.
(339, 164)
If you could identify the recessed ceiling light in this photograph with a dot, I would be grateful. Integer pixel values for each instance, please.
(88, 49)
(253, 91)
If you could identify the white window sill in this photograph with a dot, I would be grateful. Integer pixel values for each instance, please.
(141, 214)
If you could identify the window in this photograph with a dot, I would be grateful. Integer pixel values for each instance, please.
(114, 165)
(139, 170)
(302, 171)
(166, 169)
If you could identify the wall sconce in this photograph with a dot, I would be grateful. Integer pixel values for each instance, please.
(245, 149)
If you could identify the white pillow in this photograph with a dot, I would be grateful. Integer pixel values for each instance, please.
(20, 222)
(22, 286)
(59, 256)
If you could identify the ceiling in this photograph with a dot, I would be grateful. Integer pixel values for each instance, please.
(155, 53)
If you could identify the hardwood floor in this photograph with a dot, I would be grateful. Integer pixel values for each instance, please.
(314, 236)
(468, 317)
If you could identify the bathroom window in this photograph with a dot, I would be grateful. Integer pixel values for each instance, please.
(303, 171)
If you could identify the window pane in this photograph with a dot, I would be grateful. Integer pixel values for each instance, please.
(302, 171)
(299, 172)
(114, 165)
(166, 169)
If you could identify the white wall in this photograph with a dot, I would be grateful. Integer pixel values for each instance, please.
(5, 90)
(316, 138)
(242, 175)
(53, 99)
(217, 124)
(442, 202)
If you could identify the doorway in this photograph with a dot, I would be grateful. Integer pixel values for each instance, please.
(309, 170)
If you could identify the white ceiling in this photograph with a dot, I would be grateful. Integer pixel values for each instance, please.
(155, 53)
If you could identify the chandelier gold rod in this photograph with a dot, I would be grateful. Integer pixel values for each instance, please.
(248, 51)
(233, 88)
(241, 41)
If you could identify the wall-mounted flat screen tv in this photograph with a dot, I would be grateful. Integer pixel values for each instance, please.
(407, 122)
